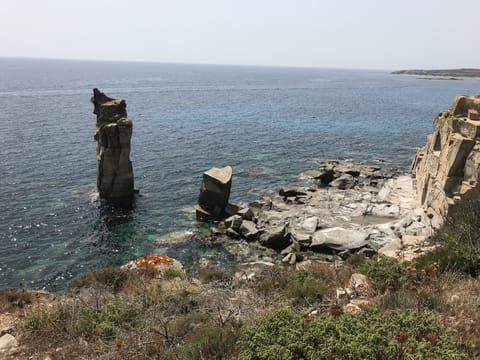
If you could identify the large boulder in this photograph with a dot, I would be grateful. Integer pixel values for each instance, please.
(276, 238)
(248, 230)
(214, 193)
(234, 222)
(338, 239)
(113, 133)
(343, 182)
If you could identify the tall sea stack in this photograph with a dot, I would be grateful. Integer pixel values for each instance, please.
(113, 134)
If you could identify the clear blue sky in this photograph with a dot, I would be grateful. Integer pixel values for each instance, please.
(375, 34)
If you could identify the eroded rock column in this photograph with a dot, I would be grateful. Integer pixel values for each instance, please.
(113, 134)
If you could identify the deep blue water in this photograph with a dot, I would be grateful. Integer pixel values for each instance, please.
(268, 123)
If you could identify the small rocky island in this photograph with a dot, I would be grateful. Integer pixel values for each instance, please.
(445, 73)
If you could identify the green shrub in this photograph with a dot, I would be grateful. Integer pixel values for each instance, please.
(107, 321)
(209, 341)
(423, 299)
(302, 287)
(459, 239)
(209, 274)
(385, 273)
(172, 273)
(284, 334)
(112, 277)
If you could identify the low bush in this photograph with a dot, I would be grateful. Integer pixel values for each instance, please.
(172, 273)
(385, 273)
(106, 322)
(112, 277)
(11, 299)
(209, 274)
(305, 288)
(284, 334)
(459, 240)
(302, 287)
(209, 341)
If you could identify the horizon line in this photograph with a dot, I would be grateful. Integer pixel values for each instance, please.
(195, 63)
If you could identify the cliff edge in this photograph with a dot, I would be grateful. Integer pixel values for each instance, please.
(447, 167)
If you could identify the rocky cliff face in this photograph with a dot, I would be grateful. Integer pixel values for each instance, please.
(447, 168)
(113, 133)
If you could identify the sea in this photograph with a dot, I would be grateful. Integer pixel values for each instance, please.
(268, 123)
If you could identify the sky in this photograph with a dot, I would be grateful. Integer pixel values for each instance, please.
(361, 34)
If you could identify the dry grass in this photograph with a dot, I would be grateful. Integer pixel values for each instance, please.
(462, 294)
(14, 299)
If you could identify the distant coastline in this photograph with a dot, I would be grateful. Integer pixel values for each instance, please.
(447, 74)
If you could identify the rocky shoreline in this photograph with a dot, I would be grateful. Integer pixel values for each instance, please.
(348, 207)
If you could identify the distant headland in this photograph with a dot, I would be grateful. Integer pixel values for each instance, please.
(443, 73)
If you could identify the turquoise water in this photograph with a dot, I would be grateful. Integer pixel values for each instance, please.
(268, 123)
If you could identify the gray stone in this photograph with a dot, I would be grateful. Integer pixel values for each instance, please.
(303, 239)
(232, 233)
(234, 222)
(294, 247)
(8, 344)
(339, 239)
(345, 181)
(293, 259)
(275, 238)
(215, 192)
(290, 259)
(291, 193)
(113, 134)
(246, 213)
(248, 230)
(310, 224)
(310, 174)
(231, 209)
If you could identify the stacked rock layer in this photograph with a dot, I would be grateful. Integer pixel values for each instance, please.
(447, 167)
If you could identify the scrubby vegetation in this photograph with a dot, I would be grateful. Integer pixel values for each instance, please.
(424, 309)
(459, 240)
(372, 334)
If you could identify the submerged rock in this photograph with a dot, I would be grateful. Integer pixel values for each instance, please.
(113, 134)
(175, 237)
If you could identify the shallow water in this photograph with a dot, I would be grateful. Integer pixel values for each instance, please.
(267, 123)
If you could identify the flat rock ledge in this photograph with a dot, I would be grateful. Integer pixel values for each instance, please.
(347, 207)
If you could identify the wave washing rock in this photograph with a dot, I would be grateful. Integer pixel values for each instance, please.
(113, 133)
(447, 168)
(214, 193)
